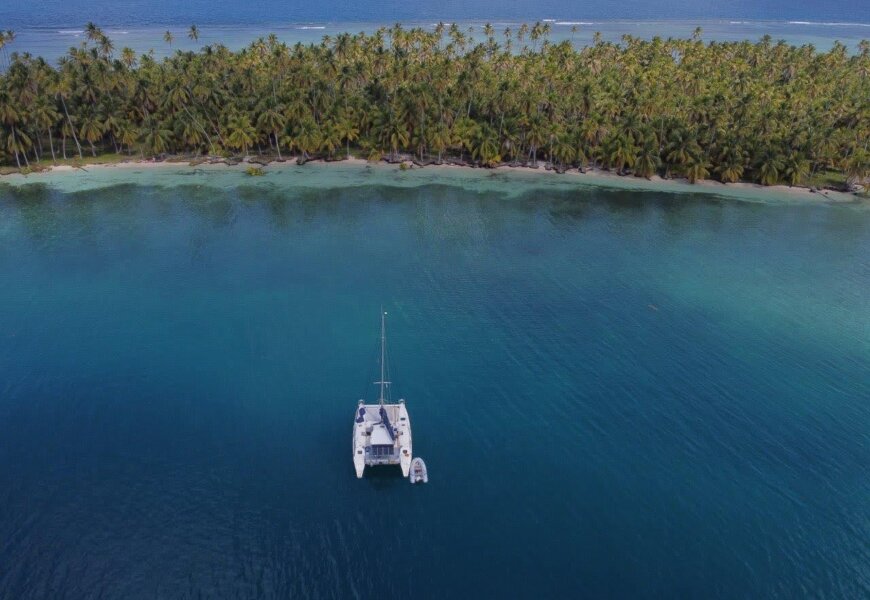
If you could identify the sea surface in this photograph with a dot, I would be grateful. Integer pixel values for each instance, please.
(619, 392)
(48, 28)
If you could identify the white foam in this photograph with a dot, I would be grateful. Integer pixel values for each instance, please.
(70, 31)
(574, 23)
(312, 27)
(829, 24)
(549, 20)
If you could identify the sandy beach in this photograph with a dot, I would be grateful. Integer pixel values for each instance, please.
(591, 176)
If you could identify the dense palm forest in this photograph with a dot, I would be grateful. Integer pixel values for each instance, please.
(765, 112)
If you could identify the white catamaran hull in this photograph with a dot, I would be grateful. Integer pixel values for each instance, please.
(382, 431)
(372, 446)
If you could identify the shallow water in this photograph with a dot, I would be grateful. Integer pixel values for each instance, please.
(53, 40)
(618, 392)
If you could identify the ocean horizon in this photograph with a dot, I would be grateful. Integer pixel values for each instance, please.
(215, 12)
(49, 28)
(53, 42)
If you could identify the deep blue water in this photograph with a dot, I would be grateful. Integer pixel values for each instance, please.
(50, 27)
(618, 393)
(216, 12)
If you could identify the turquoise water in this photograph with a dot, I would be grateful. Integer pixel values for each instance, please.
(50, 27)
(618, 392)
(52, 41)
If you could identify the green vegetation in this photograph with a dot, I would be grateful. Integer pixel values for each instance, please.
(255, 171)
(765, 112)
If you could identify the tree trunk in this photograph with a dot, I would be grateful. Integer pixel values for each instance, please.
(63, 146)
(205, 133)
(277, 144)
(24, 154)
(72, 128)
(51, 145)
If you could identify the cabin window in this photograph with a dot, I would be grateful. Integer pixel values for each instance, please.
(382, 450)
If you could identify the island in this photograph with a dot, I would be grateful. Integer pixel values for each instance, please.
(762, 112)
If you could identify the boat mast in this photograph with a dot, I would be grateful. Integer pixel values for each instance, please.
(383, 382)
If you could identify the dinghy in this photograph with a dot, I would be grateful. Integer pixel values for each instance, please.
(418, 471)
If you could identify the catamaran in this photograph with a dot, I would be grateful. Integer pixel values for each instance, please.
(382, 431)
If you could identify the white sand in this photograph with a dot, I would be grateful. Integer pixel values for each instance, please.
(591, 176)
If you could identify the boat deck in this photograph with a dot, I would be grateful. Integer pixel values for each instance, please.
(373, 443)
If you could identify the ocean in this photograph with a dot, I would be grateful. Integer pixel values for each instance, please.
(618, 392)
(50, 27)
(64, 13)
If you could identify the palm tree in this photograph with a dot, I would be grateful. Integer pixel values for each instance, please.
(127, 135)
(16, 141)
(730, 164)
(766, 111)
(330, 138)
(391, 130)
(128, 57)
(241, 133)
(307, 137)
(106, 46)
(463, 134)
(3, 42)
(537, 134)
(564, 150)
(270, 122)
(45, 117)
(92, 32)
(167, 37)
(157, 137)
(486, 147)
(440, 138)
(619, 151)
(347, 131)
(697, 168)
(797, 168)
(91, 131)
(769, 166)
(647, 162)
(857, 165)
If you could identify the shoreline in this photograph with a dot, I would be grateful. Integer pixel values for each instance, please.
(593, 176)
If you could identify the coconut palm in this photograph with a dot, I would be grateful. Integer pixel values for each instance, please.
(647, 161)
(485, 147)
(272, 121)
(91, 131)
(796, 168)
(697, 168)
(45, 117)
(765, 111)
(769, 166)
(348, 131)
(242, 134)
